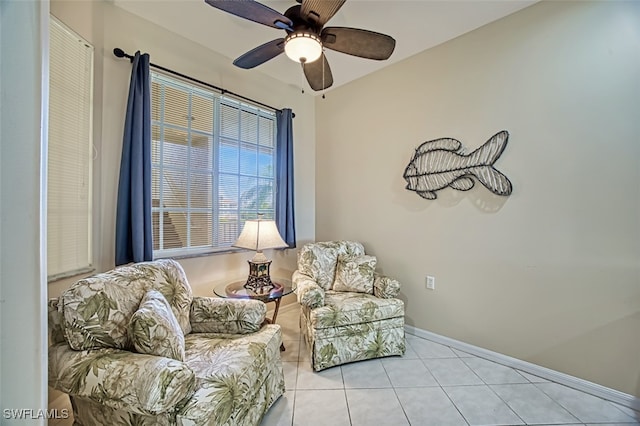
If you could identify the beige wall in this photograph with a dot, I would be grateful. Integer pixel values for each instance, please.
(551, 274)
(108, 27)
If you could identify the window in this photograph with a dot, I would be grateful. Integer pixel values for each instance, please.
(213, 167)
(70, 153)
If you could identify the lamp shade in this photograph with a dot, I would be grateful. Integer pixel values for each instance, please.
(260, 234)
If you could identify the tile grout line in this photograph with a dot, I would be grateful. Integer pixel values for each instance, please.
(293, 405)
(612, 404)
(492, 390)
(439, 385)
(346, 398)
(557, 403)
(394, 390)
(442, 389)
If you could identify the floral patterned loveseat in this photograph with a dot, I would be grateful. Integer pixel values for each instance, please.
(348, 311)
(132, 346)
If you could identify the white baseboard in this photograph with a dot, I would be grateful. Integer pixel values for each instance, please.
(546, 373)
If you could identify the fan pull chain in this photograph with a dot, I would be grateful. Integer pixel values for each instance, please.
(323, 86)
(302, 62)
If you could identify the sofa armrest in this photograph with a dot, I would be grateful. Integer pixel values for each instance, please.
(308, 291)
(385, 287)
(138, 383)
(229, 316)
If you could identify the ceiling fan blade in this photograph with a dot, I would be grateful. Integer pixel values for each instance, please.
(363, 43)
(253, 11)
(260, 54)
(320, 11)
(318, 73)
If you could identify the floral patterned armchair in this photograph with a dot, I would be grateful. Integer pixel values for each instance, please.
(348, 311)
(132, 346)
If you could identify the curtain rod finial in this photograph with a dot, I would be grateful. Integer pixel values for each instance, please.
(121, 54)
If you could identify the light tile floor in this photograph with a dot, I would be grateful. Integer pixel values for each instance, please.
(431, 384)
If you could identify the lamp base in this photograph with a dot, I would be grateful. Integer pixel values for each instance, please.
(259, 280)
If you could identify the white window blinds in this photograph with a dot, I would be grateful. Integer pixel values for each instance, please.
(213, 167)
(70, 152)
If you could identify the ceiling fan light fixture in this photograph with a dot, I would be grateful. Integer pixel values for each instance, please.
(302, 46)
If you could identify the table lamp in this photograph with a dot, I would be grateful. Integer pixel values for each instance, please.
(259, 234)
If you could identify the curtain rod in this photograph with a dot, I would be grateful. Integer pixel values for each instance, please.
(121, 54)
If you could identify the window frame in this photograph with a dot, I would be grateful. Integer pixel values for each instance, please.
(217, 140)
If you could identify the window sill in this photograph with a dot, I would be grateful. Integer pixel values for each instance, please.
(182, 255)
(82, 271)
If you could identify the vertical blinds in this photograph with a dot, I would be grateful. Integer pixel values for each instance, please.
(69, 153)
(212, 166)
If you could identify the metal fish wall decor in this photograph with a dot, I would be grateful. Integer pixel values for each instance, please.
(442, 162)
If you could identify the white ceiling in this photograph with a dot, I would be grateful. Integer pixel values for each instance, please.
(416, 25)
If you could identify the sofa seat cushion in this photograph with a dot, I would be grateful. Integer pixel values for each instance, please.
(341, 308)
(97, 310)
(230, 370)
(138, 383)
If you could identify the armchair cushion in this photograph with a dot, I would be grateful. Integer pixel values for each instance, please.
(318, 260)
(232, 372)
(355, 273)
(154, 330)
(344, 309)
(230, 316)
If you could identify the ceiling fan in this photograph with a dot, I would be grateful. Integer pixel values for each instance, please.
(306, 37)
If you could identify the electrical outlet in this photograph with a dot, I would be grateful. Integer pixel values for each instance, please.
(431, 282)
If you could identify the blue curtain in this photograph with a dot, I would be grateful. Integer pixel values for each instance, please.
(285, 217)
(133, 218)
